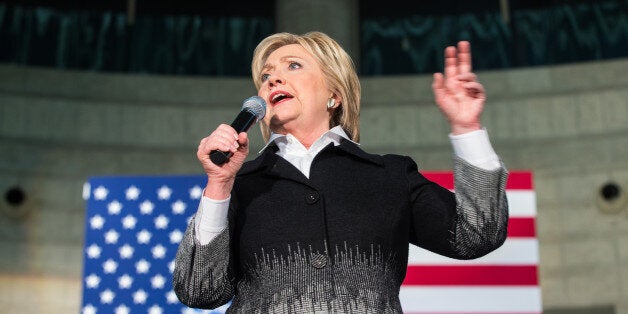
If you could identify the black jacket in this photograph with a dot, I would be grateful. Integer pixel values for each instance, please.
(338, 241)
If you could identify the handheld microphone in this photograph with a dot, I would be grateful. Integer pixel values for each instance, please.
(253, 110)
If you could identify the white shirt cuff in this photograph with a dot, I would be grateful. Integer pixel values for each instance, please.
(211, 219)
(475, 148)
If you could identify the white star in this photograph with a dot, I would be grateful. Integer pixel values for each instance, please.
(178, 207)
(86, 190)
(140, 296)
(126, 251)
(128, 222)
(155, 309)
(132, 193)
(93, 251)
(107, 296)
(175, 236)
(114, 207)
(125, 281)
(188, 311)
(100, 193)
(171, 297)
(161, 222)
(159, 251)
(146, 207)
(122, 309)
(142, 266)
(111, 236)
(143, 237)
(110, 266)
(89, 309)
(92, 281)
(158, 281)
(171, 266)
(164, 192)
(196, 192)
(97, 222)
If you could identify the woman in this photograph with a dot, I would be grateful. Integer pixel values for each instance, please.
(314, 223)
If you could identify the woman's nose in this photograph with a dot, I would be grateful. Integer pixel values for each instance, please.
(275, 79)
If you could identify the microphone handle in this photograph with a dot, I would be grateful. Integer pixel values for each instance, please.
(241, 123)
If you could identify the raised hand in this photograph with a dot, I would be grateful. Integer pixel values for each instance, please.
(458, 94)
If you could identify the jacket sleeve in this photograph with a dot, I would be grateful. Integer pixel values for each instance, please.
(467, 224)
(203, 275)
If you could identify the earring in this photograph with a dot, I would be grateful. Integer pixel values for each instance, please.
(331, 103)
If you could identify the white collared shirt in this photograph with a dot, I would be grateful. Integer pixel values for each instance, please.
(211, 217)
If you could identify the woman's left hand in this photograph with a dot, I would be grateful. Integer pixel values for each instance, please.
(458, 93)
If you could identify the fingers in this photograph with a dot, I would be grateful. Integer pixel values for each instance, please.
(224, 138)
(464, 57)
(438, 87)
(458, 59)
(451, 62)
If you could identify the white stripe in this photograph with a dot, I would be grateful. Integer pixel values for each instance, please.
(495, 299)
(515, 251)
(521, 203)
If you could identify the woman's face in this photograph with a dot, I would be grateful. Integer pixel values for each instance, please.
(295, 91)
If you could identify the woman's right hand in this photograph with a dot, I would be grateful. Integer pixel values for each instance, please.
(221, 177)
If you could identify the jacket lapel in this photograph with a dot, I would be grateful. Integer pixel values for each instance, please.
(271, 164)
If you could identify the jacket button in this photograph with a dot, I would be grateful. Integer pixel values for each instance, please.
(318, 260)
(312, 197)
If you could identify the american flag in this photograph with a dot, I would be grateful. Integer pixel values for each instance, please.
(134, 225)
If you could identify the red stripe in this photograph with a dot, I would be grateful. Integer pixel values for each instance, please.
(521, 228)
(477, 275)
(517, 180)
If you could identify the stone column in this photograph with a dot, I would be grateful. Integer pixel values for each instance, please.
(337, 18)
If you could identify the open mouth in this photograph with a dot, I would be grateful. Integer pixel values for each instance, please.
(278, 97)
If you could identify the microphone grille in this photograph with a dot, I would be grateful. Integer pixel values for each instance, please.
(257, 105)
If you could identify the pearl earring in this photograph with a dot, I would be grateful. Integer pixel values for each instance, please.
(331, 103)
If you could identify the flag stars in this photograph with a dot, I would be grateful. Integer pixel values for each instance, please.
(100, 193)
(122, 309)
(111, 236)
(140, 296)
(88, 309)
(146, 207)
(93, 251)
(158, 281)
(164, 192)
(126, 251)
(171, 266)
(132, 193)
(196, 192)
(142, 266)
(159, 251)
(125, 281)
(92, 281)
(178, 207)
(155, 309)
(143, 237)
(107, 296)
(161, 222)
(128, 222)
(175, 236)
(114, 207)
(96, 222)
(110, 266)
(171, 297)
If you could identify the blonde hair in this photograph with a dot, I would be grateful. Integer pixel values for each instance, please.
(337, 67)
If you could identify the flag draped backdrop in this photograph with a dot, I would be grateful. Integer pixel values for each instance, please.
(134, 226)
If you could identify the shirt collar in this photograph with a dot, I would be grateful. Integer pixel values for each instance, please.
(335, 134)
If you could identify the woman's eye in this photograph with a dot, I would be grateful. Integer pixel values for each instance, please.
(294, 65)
(265, 77)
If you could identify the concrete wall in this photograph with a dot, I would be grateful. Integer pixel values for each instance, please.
(569, 124)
